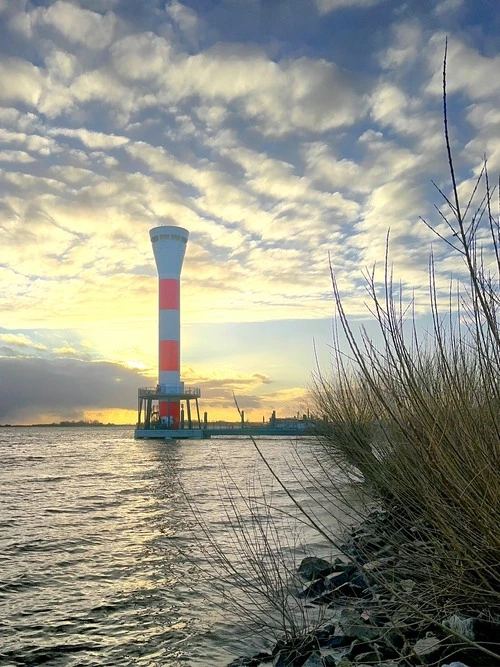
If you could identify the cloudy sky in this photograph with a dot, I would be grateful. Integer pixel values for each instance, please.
(276, 131)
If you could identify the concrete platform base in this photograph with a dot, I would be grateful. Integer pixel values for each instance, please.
(169, 434)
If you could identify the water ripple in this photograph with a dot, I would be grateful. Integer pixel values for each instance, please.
(100, 557)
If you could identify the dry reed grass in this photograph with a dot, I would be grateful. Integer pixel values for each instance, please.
(420, 419)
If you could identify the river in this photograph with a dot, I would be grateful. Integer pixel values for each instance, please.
(122, 552)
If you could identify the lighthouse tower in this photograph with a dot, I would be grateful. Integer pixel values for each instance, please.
(169, 248)
(161, 409)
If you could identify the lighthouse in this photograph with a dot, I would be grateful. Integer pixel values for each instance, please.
(161, 409)
(169, 247)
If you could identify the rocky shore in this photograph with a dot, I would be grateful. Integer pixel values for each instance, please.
(374, 622)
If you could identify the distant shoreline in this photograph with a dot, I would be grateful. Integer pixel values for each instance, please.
(65, 424)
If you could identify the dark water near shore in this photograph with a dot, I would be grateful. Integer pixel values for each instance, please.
(102, 561)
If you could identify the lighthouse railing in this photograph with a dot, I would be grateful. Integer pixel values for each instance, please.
(170, 390)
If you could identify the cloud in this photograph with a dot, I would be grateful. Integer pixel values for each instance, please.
(300, 94)
(31, 142)
(405, 48)
(15, 156)
(66, 387)
(77, 25)
(186, 19)
(93, 140)
(141, 57)
(20, 81)
(66, 351)
(276, 146)
(446, 6)
(327, 6)
(468, 71)
(21, 341)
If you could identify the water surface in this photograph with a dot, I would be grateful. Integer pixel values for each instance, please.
(103, 556)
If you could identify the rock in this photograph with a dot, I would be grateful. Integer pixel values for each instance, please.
(317, 587)
(325, 634)
(353, 591)
(361, 581)
(345, 662)
(348, 583)
(428, 647)
(352, 625)
(336, 579)
(463, 626)
(486, 631)
(455, 664)
(254, 661)
(358, 648)
(333, 656)
(328, 661)
(338, 641)
(369, 658)
(314, 660)
(476, 629)
(346, 567)
(295, 651)
(311, 568)
(393, 639)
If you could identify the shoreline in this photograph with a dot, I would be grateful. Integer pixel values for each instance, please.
(375, 622)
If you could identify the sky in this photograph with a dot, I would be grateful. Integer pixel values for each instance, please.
(283, 134)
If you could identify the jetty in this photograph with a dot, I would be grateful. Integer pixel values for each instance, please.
(151, 424)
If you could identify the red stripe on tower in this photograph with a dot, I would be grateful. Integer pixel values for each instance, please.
(169, 355)
(169, 294)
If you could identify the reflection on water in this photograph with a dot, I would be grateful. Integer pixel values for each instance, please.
(103, 557)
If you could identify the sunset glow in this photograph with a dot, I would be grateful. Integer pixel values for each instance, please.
(277, 133)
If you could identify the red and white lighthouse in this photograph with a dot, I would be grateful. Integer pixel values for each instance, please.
(169, 247)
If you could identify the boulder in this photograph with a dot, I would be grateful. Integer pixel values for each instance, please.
(463, 626)
(314, 660)
(476, 629)
(369, 658)
(329, 661)
(345, 662)
(428, 648)
(254, 661)
(358, 647)
(352, 625)
(295, 651)
(347, 590)
(317, 587)
(325, 634)
(336, 579)
(350, 568)
(311, 568)
(338, 641)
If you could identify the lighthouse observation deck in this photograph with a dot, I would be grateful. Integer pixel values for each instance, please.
(162, 391)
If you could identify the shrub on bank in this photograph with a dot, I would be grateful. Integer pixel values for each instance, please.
(419, 418)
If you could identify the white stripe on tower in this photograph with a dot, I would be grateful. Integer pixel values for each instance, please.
(169, 247)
